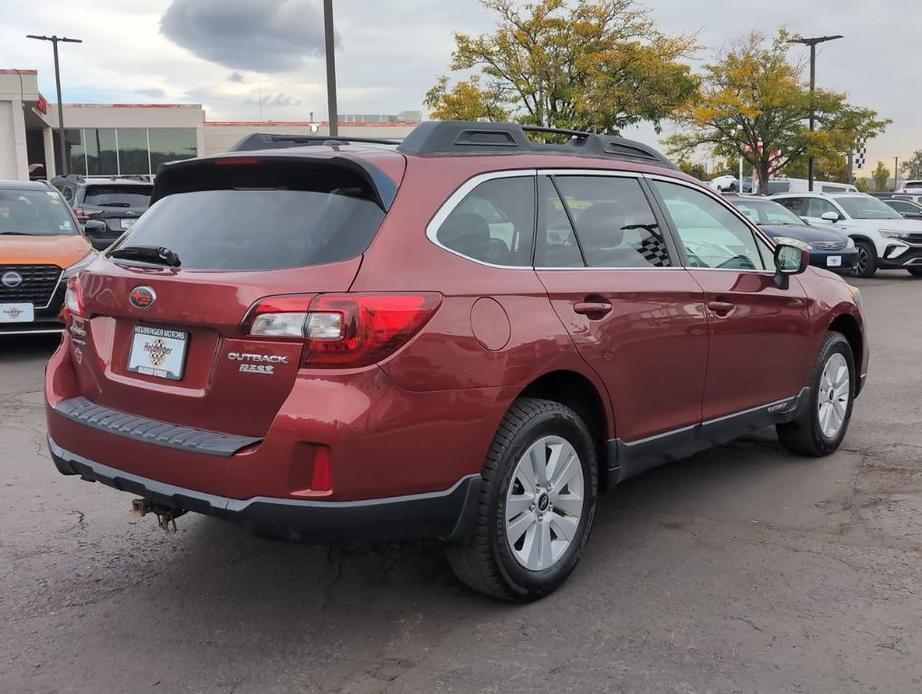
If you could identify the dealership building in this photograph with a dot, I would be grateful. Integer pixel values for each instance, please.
(134, 139)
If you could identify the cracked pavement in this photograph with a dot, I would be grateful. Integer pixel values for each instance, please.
(741, 570)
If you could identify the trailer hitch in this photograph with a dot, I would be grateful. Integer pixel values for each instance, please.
(166, 515)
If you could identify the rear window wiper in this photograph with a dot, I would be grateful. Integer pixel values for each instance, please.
(113, 204)
(157, 255)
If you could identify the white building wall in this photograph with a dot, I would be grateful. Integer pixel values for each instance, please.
(219, 137)
(129, 115)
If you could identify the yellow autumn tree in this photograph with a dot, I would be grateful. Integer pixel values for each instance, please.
(596, 65)
(753, 102)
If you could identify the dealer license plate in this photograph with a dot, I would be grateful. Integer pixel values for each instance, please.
(834, 261)
(17, 313)
(158, 352)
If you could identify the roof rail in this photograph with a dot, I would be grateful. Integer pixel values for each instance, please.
(473, 137)
(257, 141)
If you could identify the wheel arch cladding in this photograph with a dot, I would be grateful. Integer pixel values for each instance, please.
(578, 393)
(847, 325)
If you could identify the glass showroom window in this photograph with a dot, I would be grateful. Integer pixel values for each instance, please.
(170, 144)
(132, 151)
(125, 151)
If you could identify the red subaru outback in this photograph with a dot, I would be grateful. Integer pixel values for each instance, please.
(463, 337)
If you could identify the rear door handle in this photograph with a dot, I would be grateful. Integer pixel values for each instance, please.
(592, 308)
(721, 308)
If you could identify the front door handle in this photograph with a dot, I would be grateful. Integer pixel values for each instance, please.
(592, 308)
(721, 308)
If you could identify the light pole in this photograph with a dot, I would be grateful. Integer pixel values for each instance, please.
(812, 42)
(896, 173)
(328, 40)
(55, 40)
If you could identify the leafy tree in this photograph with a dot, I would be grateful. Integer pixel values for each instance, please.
(828, 167)
(693, 169)
(596, 65)
(466, 100)
(753, 103)
(880, 174)
(862, 185)
(912, 167)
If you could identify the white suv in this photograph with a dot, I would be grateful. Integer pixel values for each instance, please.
(885, 240)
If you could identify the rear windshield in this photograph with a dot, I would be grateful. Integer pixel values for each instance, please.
(300, 220)
(118, 196)
(34, 212)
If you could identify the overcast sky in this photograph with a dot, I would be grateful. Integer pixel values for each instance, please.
(262, 59)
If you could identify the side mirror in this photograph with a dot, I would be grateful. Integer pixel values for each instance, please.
(95, 227)
(791, 258)
(830, 216)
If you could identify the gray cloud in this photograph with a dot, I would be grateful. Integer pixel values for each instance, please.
(235, 77)
(245, 35)
(153, 92)
(280, 99)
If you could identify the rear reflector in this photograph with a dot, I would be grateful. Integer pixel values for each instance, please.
(343, 330)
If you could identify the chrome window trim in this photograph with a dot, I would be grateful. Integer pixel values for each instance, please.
(739, 215)
(462, 191)
(455, 199)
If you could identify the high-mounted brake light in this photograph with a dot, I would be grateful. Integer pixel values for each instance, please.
(236, 161)
(344, 330)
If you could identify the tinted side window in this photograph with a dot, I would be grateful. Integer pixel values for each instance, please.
(556, 244)
(494, 223)
(796, 205)
(614, 222)
(817, 207)
(713, 236)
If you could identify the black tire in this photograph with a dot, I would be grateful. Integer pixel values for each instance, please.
(866, 264)
(485, 561)
(805, 435)
(915, 271)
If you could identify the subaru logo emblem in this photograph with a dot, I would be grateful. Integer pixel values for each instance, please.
(11, 279)
(142, 297)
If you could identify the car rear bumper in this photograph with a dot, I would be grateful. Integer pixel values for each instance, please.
(445, 515)
(389, 453)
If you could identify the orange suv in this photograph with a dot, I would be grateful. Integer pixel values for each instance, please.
(41, 245)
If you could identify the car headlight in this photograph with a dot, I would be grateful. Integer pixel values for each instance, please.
(849, 242)
(80, 264)
(888, 234)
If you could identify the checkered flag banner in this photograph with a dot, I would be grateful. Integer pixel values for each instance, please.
(861, 151)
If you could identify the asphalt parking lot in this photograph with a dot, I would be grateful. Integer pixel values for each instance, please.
(741, 570)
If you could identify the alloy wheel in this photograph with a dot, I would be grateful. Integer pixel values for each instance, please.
(835, 390)
(544, 504)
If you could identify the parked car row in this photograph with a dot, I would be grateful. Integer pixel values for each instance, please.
(107, 207)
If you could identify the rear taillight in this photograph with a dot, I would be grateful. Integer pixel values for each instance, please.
(343, 330)
(85, 214)
(73, 297)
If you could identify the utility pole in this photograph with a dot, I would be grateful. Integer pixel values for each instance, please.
(55, 40)
(812, 42)
(328, 39)
(896, 173)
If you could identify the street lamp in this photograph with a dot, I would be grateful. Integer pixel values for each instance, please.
(812, 42)
(328, 40)
(57, 80)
